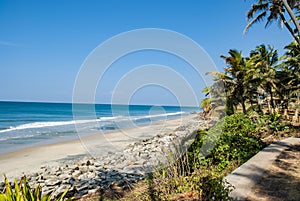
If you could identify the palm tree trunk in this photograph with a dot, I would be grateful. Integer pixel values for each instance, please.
(293, 17)
(229, 106)
(258, 104)
(269, 106)
(272, 98)
(296, 37)
(243, 105)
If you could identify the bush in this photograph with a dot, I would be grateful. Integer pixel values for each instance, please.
(238, 141)
(199, 174)
(197, 185)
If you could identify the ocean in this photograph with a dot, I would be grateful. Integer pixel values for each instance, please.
(28, 124)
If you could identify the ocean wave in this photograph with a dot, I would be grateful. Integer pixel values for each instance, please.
(109, 118)
(43, 125)
(35, 136)
(159, 115)
(113, 119)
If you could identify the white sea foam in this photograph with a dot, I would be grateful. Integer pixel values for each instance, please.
(43, 124)
(163, 115)
(109, 118)
(17, 137)
(113, 119)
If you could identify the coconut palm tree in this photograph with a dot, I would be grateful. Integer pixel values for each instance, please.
(291, 66)
(235, 78)
(274, 10)
(292, 58)
(253, 82)
(264, 61)
(215, 101)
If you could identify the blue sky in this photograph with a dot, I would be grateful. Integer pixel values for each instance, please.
(44, 43)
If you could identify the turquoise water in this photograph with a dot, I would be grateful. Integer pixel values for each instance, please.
(26, 124)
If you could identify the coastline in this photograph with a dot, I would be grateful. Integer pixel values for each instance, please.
(123, 158)
(30, 160)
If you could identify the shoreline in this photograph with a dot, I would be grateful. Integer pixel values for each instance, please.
(29, 160)
(75, 136)
(122, 159)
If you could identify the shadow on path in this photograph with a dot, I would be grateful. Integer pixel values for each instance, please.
(282, 180)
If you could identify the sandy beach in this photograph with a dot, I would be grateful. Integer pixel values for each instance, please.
(30, 160)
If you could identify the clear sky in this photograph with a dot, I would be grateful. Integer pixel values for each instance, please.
(44, 43)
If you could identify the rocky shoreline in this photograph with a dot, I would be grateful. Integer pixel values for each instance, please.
(116, 171)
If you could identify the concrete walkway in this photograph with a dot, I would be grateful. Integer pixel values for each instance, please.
(250, 173)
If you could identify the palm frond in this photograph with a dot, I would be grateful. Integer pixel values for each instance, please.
(255, 20)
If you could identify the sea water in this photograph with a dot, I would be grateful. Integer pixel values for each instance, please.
(27, 124)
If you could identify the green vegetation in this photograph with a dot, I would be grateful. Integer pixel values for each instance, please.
(276, 10)
(237, 143)
(199, 174)
(260, 94)
(260, 82)
(22, 192)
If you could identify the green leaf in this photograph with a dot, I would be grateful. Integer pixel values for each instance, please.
(8, 190)
(18, 195)
(46, 198)
(3, 197)
(28, 195)
(63, 195)
(37, 194)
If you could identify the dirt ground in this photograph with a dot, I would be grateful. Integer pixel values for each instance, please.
(282, 180)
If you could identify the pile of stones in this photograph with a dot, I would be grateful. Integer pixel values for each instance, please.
(118, 171)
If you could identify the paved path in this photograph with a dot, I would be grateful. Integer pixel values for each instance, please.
(247, 176)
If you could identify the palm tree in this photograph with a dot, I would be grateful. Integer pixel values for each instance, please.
(283, 88)
(291, 66)
(224, 82)
(235, 78)
(292, 58)
(253, 81)
(274, 10)
(264, 62)
(215, 99)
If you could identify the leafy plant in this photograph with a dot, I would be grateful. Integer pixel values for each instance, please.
(237, 142)
(170, 183)
(199, 174)
(23, 192)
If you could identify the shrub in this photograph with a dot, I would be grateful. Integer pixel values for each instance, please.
(199, 174)
(238, 141)
(170, 183)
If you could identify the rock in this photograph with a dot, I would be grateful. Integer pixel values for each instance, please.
(72, 181)
(112, 173)
(97, 164)
(52, 182)
(94, 191)
(64, 176)
(115, 170)
(88, 163)
(84, 169)
(61, 189)
(76, 173)
(83, 189)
